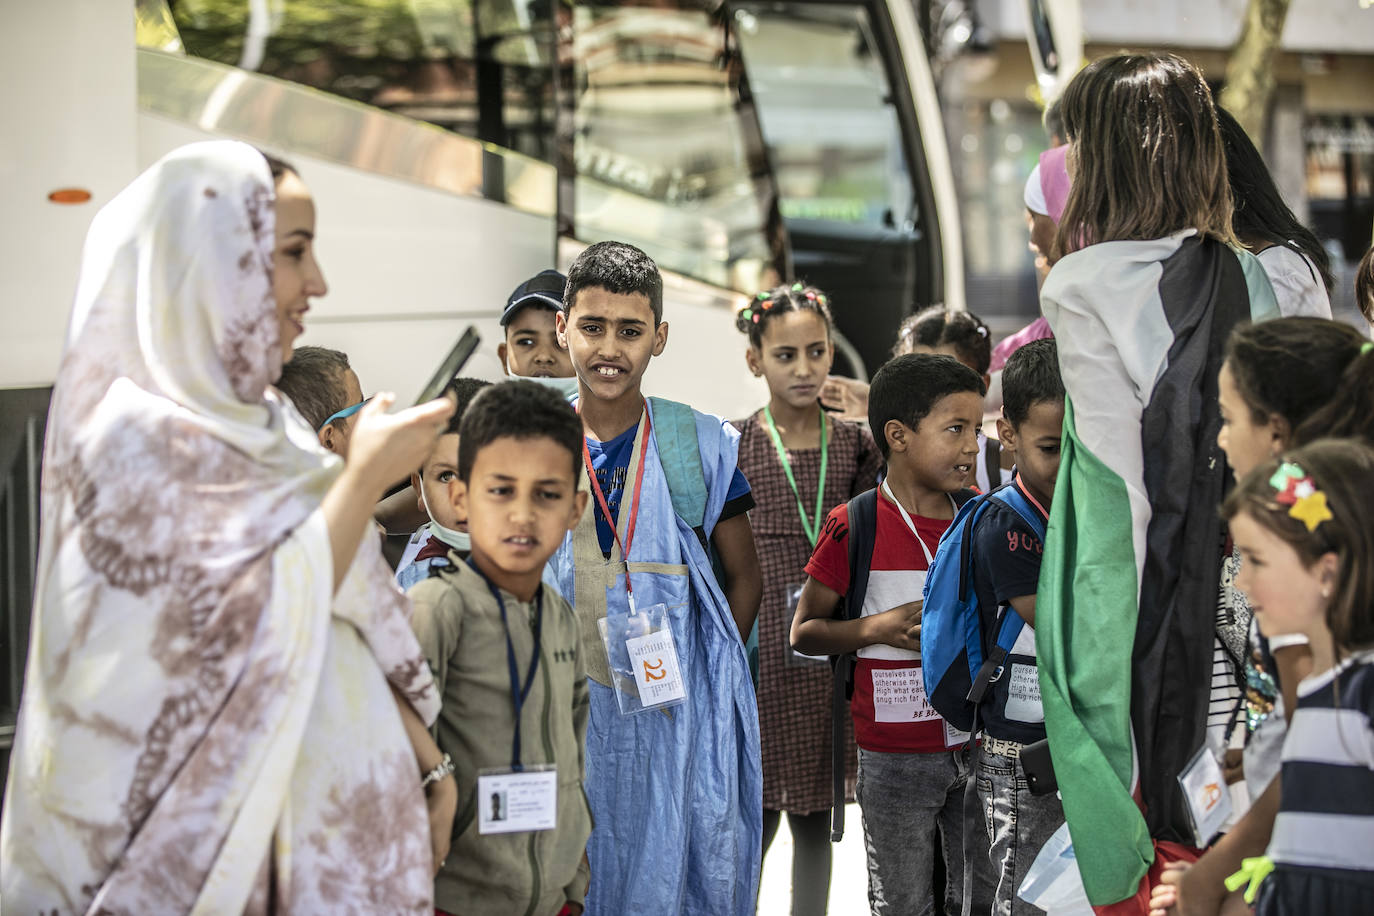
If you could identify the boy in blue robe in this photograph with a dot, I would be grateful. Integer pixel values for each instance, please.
(676, 793)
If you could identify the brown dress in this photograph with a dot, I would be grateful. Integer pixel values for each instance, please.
(794, 694)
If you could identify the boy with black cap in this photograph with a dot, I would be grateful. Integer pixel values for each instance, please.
(531, 348)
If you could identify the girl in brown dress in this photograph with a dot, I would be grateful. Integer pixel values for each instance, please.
(800, 464)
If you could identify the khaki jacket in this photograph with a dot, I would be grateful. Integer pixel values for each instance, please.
(458, 623)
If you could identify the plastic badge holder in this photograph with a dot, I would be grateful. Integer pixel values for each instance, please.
(795, 659)
(643, 661)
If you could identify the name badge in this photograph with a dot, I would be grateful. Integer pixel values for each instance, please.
(954, 736)
(653, 659)
(899, 695)
(511, 802)
(643, 660)
(1208, 796)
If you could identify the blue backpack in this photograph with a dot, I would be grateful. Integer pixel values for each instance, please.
(953, 665)
(679, 452)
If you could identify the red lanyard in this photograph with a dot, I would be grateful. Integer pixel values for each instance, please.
(634, 503)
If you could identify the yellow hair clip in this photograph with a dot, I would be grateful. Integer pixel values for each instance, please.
(1295, 489)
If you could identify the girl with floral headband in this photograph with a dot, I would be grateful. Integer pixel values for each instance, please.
(1301, 523)
(801, 463)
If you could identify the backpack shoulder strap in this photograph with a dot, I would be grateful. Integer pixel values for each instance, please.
(863, 533)
(679, 452)
(1012, 496)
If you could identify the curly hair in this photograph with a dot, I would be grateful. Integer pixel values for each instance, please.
(938, 326)
(753, 317)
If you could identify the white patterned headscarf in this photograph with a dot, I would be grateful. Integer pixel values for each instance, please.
(205, 725)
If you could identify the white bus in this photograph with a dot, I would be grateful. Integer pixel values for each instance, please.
(456, 147)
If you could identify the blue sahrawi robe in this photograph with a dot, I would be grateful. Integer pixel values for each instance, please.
(676, 795)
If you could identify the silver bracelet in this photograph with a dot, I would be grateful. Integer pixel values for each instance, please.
(445, 768)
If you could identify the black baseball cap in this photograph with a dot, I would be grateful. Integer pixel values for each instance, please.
(544, 289)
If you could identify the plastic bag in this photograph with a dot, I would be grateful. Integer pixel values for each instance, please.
(1053, 882)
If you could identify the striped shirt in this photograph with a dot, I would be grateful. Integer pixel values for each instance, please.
(1326, 820)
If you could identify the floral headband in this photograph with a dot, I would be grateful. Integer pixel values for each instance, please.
(1295, 489)
(764, 301)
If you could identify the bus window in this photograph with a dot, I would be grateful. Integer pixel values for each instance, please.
(480, 68)
(812, 65)
(666, 154)
(819, 76)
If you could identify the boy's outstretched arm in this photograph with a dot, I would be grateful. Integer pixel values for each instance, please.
(816, 632)
(733, 539)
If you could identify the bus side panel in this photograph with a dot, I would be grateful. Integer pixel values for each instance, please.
(408, 267)
(69, 80)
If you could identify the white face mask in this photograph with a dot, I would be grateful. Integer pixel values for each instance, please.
(458, 540)
(564, 386)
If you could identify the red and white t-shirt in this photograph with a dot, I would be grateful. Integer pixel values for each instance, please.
(890, 710)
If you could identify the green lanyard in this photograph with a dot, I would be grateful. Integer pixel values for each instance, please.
(812, 527)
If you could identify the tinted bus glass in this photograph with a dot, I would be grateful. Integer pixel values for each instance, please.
(480, 68)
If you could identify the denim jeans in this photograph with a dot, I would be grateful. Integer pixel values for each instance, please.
(908, 801)
(1018, 825)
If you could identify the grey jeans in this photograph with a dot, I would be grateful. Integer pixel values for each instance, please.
(1018, 825)
(909, 801)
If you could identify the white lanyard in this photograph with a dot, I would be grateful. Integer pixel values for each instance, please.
(906, 517)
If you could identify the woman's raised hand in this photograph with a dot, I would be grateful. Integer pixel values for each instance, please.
(385, 448)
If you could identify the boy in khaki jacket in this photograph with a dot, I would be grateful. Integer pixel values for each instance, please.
(505, 654)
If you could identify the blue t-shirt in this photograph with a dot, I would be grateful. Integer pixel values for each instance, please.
(611, 464)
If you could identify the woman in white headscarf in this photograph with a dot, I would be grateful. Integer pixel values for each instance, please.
(210, 719)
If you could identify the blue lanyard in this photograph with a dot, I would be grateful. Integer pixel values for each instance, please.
(518, 695)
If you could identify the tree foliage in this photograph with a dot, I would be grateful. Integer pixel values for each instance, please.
(1249, 85)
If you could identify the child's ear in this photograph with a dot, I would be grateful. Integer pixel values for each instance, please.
(415, 485)
(660, 338)
(501, 355)
(1281, 431)
(327, 438)
(896, 432)
(458, 496)
(1329, 569)
(751, 359)
(560, 328)
(579, 506)
(1006, 434)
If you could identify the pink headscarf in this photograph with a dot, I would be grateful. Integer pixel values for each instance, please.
(1048, 187)
(1054, 180)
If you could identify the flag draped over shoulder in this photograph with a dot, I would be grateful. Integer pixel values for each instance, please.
(1125, 616)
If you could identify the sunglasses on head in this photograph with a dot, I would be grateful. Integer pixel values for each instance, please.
(344, 414)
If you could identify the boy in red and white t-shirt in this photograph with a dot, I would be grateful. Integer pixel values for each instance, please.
(924, 412)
